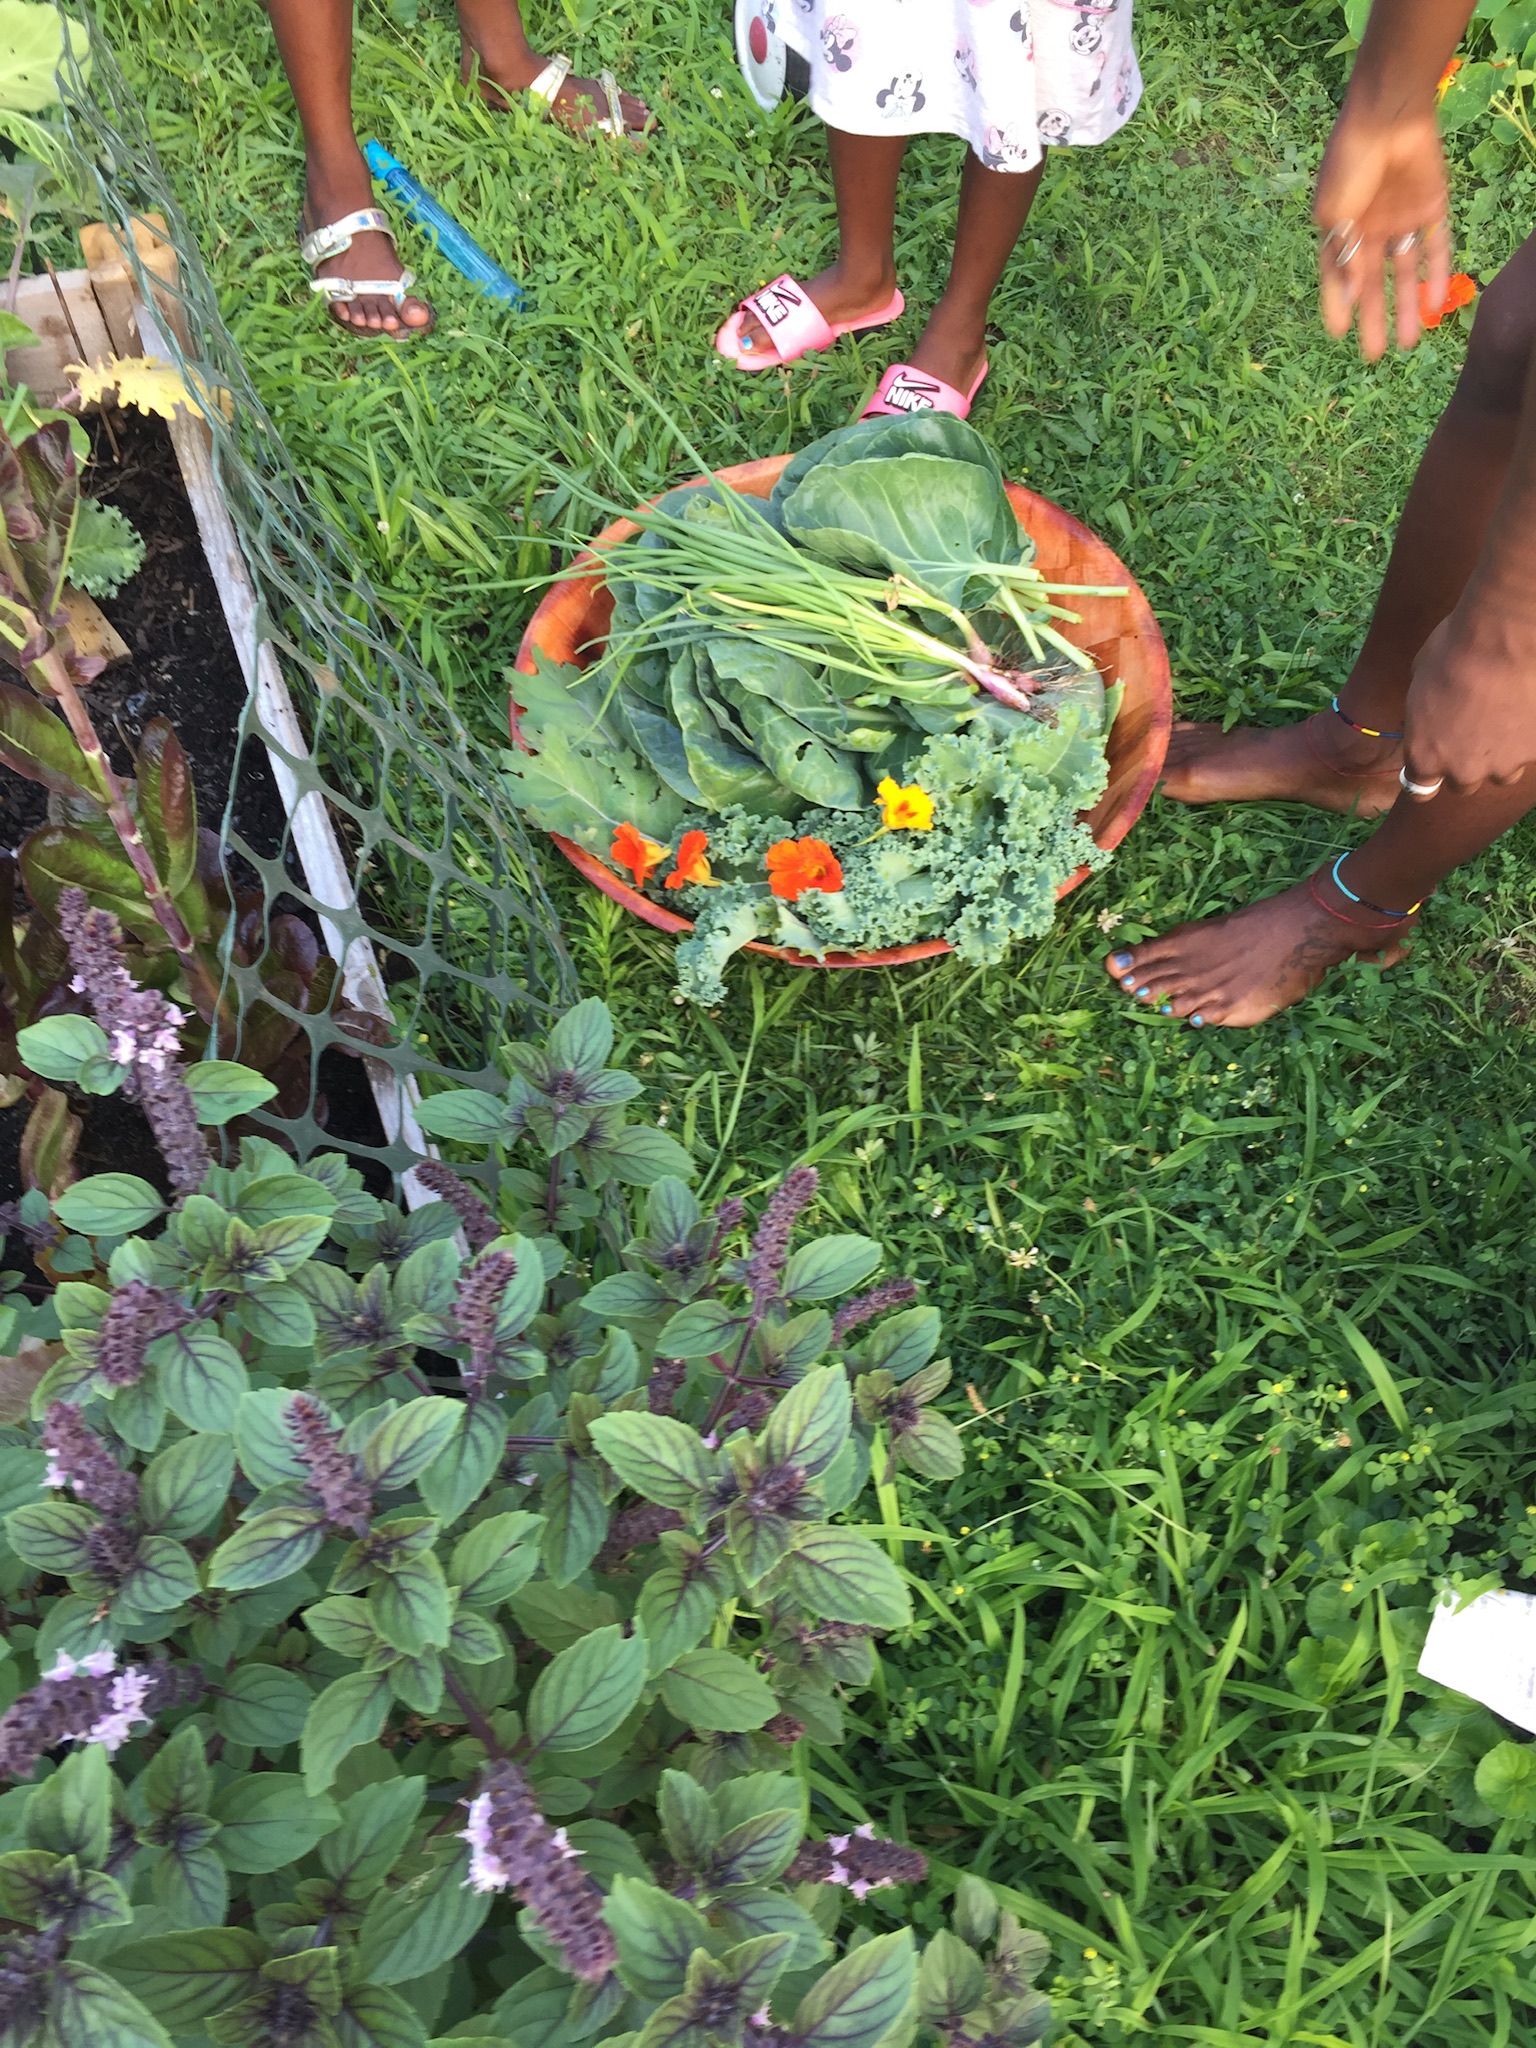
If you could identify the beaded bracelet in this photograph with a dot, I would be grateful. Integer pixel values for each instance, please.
(1370, 732)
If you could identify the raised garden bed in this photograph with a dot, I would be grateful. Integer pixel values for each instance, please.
(184, 627)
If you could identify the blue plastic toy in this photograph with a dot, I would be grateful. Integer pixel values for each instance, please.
(452, 240)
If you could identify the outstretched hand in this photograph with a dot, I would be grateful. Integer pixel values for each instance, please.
(1382, 210)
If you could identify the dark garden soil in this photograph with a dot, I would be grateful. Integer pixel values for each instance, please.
(181, 666)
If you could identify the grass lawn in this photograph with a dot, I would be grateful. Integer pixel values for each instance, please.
(1247, 1317)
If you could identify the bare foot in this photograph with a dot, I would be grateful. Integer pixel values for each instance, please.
(577, 106)
(371, 256)
(1247, 966)
(1321, 762)
(837, 294)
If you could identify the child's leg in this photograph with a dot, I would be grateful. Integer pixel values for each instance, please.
(1438, 540)
(865, 169)
(314, 39)
(495, 42)
(994, 206)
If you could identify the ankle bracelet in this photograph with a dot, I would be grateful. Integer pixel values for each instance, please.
(1369, 732)
(1393, 916)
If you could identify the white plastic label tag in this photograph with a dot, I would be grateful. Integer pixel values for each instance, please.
(1488, 1652)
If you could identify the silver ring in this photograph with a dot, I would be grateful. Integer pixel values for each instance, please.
(1345, 256)
(1404, 245)
(1420, 788)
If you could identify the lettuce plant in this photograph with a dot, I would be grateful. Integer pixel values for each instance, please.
(418, 1623)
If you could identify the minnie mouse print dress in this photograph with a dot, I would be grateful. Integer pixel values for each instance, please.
(1008, 76)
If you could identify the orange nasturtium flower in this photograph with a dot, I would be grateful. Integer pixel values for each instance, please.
(1446, 76)
(795, 865)
(904, 810)
(1461, 291)
(691, 864)
(631, 849)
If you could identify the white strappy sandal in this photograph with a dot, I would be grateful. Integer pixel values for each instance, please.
(545, 90)
(319, 245)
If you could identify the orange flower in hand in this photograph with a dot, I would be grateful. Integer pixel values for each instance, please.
(631, 849)
(1446, 76)
(1461, 291)
(691, 864)
(795, 865)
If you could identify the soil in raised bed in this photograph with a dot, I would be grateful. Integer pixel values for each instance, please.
(181, 666)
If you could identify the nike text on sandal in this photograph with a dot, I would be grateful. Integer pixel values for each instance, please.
(795, 327)
(545, 90)
(903, 389)
(335, 239)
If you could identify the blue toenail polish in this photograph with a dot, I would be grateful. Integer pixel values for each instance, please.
(1166, 1010)
(1120, 961)
(1142, 992)
(1129, 981)
(1198, 1022)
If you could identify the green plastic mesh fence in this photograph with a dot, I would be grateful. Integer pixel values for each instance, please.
(420, 880)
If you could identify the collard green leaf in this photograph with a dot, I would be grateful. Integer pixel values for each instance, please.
(269, 1821)
(581, 779)
(587, 1691)
(839, 1576)
(657, 1457)
(182, 1978)
(714, 1690)
(408, 1932)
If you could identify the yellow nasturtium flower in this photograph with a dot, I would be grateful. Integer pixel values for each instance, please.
(904, 810)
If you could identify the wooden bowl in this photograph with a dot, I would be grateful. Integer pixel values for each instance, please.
(1120, 633)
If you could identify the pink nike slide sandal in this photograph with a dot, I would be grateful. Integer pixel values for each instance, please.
(903, 389)
(795, 327)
